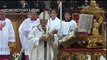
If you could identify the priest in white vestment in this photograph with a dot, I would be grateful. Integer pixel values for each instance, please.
(6, 36)
(38, 38)
(24, 30)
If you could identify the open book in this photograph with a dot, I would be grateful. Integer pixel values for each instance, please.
(85, 23)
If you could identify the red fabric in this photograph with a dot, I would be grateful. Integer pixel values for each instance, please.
(12, 50)
(75, 17)
(83, 34)
(2, 18)
(26, 57)
(81, 49)
(4, 57)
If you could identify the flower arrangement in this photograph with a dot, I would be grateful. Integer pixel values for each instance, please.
(15, 56)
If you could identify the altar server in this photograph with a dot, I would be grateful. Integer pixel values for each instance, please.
(68, 25)
(25, 28)
(6, 36)
(54, 24)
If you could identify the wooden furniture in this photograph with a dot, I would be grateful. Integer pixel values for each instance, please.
(16, 19)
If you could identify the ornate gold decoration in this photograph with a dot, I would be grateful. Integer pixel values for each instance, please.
(94, 9)
(80, 55)
(97, 36)
(12, 47)
(92, 40)
(97, 26)
(95, 29)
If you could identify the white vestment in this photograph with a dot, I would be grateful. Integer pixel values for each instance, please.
(102, 57)
(6, 36)
(67, 27)
(24, 30)
(37, 47)
(54, 24)
(67, 30)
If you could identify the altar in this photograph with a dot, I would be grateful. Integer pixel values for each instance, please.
(92, 43)
(80, 47)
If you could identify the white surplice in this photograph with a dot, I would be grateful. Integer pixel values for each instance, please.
(54, 24)
(67, 27)
(67, 30)
(24, 30)
(37, 47)
(6, 36)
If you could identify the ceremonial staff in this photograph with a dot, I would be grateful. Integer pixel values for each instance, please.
(61, 17)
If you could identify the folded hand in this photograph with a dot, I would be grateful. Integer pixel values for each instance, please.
(42, 38)
(2, 25)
